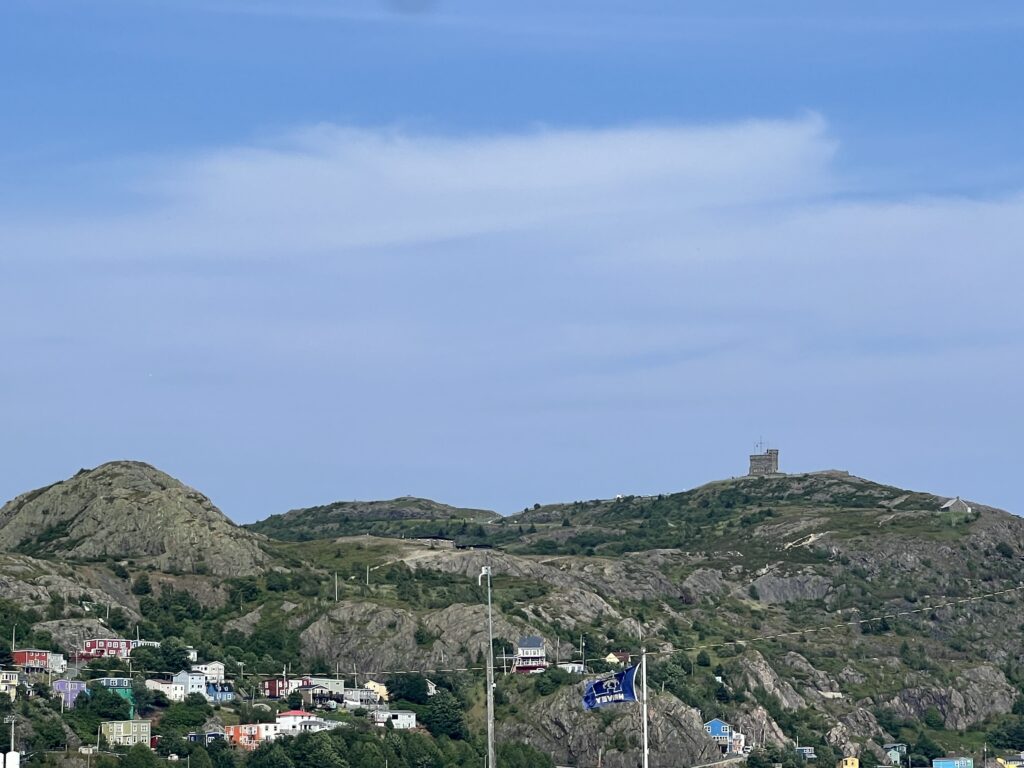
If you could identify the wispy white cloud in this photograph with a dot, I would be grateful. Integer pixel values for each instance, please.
(546, 283)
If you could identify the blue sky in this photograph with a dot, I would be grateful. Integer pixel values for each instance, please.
(293, 252)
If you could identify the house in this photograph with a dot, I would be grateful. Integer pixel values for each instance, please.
(431, 687)
(572, 667)
(278, 687)
(953, 762)
(248, 736)
(206, 739)
(297, 721)
(316, 696)
(807, 753)
(119, 647)
(33, 660)
(362, 698)
(400, 719)
(69, 690)
(191, 682)
(729, 740)
(379, 688)
(848, 762)
(617, 659)
(895, 752)
(330, 684)
(530, 654)
(122, 686)
(173, 691)
(9, 680)
(125, 733)
(214, 671)
(957, 506)
(192, 654)
(219, 693)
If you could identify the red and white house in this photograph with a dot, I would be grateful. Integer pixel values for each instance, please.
(278, 687)
(34, 660)
(119, 647)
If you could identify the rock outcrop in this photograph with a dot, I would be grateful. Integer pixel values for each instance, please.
(129, 510)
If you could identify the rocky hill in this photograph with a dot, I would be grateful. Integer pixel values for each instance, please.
(820, 608)
(345, 518)
(128, 510)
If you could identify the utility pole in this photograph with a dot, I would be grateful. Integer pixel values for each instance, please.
(12, 720)
(335, 586)
(491, 763)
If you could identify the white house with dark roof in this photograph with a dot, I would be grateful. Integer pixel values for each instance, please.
(531, 655)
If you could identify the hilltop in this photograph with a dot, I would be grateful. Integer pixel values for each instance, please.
(128, 509)
(732, 584)
(406, 514)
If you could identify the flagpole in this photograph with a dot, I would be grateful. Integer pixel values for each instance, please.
(643, 677)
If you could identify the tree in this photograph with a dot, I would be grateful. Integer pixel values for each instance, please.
(141, 585)
(928, 747)
(933, 718)
(524, 756)
(199, 758)
(270, 754)
(411, 688)
(703, 659)
(444, 716)
(141, 756)
(316, 749)
(294, 700)
(759, 759)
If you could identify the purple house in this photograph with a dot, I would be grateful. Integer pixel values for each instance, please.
(69, 690)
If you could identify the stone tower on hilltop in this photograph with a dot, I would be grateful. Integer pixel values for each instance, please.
(766, 463)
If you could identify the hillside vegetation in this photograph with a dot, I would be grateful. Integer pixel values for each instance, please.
(817, 607)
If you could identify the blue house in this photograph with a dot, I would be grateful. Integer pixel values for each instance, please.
(953, 762)
(725, 736)
(219, 693)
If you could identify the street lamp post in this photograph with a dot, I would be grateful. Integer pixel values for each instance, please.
(491, 763)
(12, 720)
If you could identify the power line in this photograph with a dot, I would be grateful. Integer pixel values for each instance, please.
(699, 647)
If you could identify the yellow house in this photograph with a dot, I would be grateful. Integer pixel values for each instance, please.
(1010, 762)
(848, 762)
(379, 688)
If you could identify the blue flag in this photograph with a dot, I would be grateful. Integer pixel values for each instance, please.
(611, 690)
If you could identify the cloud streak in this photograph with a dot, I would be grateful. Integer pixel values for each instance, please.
(510, 301)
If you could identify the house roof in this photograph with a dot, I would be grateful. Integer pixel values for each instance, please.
(716, 720)
(531, 641)
(295, 713)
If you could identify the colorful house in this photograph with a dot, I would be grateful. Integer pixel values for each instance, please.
(277, 687)
(9, 680)
(34, 660)
(728, 739)
(191, 682)
(118, 647)
(219, 693)
(126, 733)
(248, 736)
(953, 762)
(848, 762)
(807, 753)
(69, 691)
(379, 688)
(122, 686)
